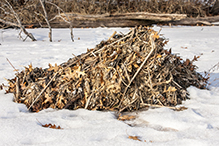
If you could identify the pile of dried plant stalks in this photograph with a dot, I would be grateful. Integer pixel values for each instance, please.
(125, 73)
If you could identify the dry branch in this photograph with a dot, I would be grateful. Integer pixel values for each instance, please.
(46, 19)
(16, 17)
(65, 18)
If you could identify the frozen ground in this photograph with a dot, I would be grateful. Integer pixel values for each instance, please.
(198, 125)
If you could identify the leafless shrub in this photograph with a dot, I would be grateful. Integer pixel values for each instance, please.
(12, 18)
(17, 13)
(31, 11)
(192, 8)
(208, 75)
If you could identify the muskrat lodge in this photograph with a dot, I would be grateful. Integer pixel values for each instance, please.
(125, 73)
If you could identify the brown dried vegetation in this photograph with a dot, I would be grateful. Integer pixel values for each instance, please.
(124, 73)
(30, 12)
(53, 126)
(192, 8)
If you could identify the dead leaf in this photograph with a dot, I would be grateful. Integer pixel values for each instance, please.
(134, 138)
(23, 86)
(29, 69)
(61, 102)
(182, 108)
(47, 99)
(126, 117)
(53, 126)
(170, 51)
(156, 36)
(122, 42)
(195, 58)
(29, 26)
(166, 42)
(171, 89)
(184, 47)
(159, 56)
(129, 68)
(55, 68)
(135, 65)
(187, 62)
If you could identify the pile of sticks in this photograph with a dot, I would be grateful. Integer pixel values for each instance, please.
(125, 73)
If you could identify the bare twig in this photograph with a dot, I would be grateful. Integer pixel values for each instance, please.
(89, 98)
(17, 90)
(46, 18)
(12, 65)
(43, 90)
(50, 82)
(18, 20)
(134, 99)
(60, 15)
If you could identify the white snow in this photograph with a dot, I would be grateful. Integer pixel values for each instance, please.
(198, 125)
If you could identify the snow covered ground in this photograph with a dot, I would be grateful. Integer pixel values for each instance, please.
(198, 125)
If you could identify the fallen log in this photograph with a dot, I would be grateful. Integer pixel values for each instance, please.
(117, 20)
(131, 16)
(132, 19)
(194, 21)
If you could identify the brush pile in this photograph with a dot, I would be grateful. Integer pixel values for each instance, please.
(125, 73)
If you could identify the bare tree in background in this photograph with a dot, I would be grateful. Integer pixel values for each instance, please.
(42, 2)
(61, 14)
(31, 11)
(91, 13)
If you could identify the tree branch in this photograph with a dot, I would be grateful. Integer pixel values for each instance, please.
(60, 15)
(19, 24)
(47, 21)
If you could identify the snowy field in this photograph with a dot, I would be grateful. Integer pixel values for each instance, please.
(196, 126)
